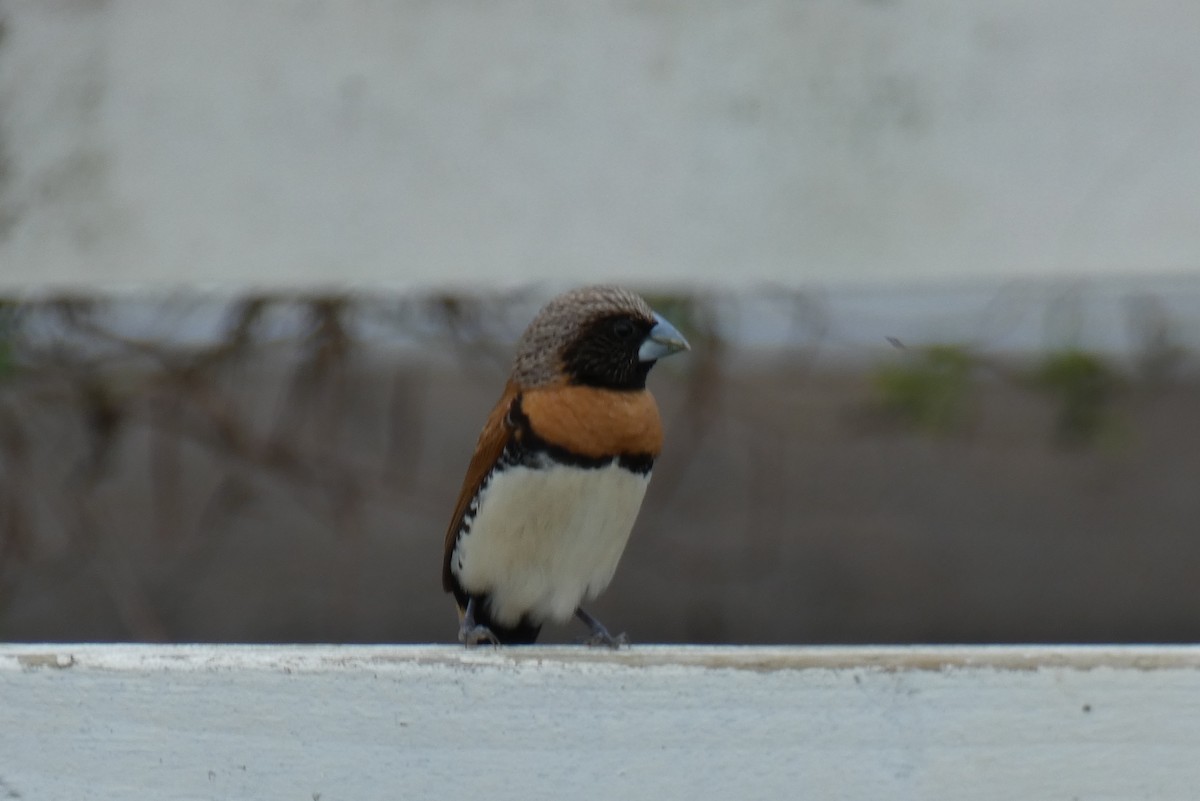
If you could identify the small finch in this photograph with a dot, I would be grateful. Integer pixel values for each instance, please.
(560, 469)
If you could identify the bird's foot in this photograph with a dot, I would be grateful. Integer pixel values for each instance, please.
(471, 633)
(474, 635)
(600, 635)
(599, 638)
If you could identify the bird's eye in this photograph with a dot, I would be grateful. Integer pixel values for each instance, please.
(624, 329)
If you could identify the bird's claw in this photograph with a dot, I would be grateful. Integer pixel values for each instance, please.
(602, 637)
(474, 635)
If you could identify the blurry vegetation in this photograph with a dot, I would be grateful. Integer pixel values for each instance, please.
(931, 390)
(267, 392)
(1157, 352)
(1084, 388)
(10, 320)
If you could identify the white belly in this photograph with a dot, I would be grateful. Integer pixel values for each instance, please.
(545, 540)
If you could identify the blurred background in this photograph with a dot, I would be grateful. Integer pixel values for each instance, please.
(262, 265)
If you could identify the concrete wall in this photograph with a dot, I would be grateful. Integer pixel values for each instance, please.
(645, 723)
(236, 144)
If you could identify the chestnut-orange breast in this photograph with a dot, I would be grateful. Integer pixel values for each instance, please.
(594, 422)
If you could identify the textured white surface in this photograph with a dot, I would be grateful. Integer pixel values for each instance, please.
(242, 143)
(328, 723)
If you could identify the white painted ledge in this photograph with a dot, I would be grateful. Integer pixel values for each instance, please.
(652, 722)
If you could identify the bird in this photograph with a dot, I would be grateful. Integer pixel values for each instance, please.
(559, 471)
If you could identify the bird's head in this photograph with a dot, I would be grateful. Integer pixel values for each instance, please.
(600, 336)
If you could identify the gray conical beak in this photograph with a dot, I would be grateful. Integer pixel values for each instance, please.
(663, 340)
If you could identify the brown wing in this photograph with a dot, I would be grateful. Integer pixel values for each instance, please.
(492, 440)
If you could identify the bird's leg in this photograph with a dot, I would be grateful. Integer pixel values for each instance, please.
(471, 633)
(600, 635)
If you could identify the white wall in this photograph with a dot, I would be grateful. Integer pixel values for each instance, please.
(362, 723)
(236, 143)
